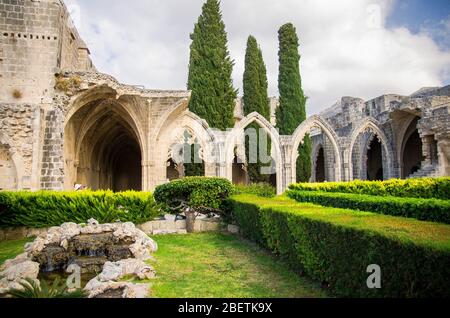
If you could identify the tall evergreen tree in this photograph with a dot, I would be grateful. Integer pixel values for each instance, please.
(210, 69)
(292, 110)
(256, 99)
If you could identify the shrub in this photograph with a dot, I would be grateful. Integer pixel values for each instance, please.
(17, 94)
(58, 289)
(67, 84)
(260, 189)
(46, 208)
(336, 246)
(422, 209)
(204, 195)
(427, 188)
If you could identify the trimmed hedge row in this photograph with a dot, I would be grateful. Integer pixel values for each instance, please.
(46, 208)
(260, 189)
(422, 209)
(336, 246)
(427, 188)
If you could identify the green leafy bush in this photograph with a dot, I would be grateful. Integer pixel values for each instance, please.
(427, 188)
(336, 246)
(204, 195)
(58, 289)
(422, 209)
(46, 208)
(260, 189)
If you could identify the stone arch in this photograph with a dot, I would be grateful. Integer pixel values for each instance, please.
(238, 130)
(172, 133)
(408, 133)
(372, 126)
(299, 135)
(96, 125)
(16, 165)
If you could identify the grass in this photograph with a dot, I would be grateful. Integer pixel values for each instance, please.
(430, 234)
(210, 265)
(218, 265)
(10, 249)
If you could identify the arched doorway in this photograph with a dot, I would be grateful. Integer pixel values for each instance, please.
(374, 161)
(172, 170)
(238, 138)
(102, 148)
(320, 166)
(8, 173)
(321, 133)
(240, 176)
(185, 158)
(370, 153)
(412, 154)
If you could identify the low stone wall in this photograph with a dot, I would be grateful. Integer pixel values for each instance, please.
(149, 228)
(179, 227)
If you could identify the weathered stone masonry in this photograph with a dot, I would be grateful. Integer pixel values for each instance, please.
(62, 123)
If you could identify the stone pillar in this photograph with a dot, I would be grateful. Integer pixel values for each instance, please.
(429, 150)
(287, 173)
(444, 157)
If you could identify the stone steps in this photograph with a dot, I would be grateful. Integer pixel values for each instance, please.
(430, 171)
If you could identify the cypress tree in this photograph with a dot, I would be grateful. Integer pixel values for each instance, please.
(292, 110)
(210, 69)
(256, 99)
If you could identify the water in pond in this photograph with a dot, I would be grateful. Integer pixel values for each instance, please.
(49, 277)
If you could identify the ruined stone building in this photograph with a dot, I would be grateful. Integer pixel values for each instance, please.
(63, 123)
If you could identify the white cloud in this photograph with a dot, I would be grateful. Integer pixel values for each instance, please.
(346, 48)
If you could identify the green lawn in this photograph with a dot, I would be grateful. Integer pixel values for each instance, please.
(218, 265)
(212, 265)
(10, 249)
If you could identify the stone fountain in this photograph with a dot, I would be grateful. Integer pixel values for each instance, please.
(107, 251)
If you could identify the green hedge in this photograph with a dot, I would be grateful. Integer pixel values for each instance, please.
(437, 188)
(260, 189)
(336, 246)
(46, 209)
(203, 194)
(422, 209)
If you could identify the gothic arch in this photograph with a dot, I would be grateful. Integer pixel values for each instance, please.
(237, 131)
(299, 135)
(104, 95)
(373, 126)
(95, 123)
(172, 133)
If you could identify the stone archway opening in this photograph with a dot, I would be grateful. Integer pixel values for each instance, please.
(412, 154)
(319, 166)
(185, 158)
(172, 170)
(240, 176)
(8, 173)
(102, 149)
(256, 153)
(375, 161)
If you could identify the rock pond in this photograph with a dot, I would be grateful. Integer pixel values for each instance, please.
(102, 254)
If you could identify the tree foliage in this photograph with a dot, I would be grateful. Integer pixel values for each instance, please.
(292, 110)
(210, 69)
(256, 99)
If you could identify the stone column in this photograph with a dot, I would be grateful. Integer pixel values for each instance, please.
(287, 172)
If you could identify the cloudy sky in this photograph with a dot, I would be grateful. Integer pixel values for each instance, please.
(361, 48)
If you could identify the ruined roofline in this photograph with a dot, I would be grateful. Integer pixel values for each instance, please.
(424, 92)
(97, 78)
